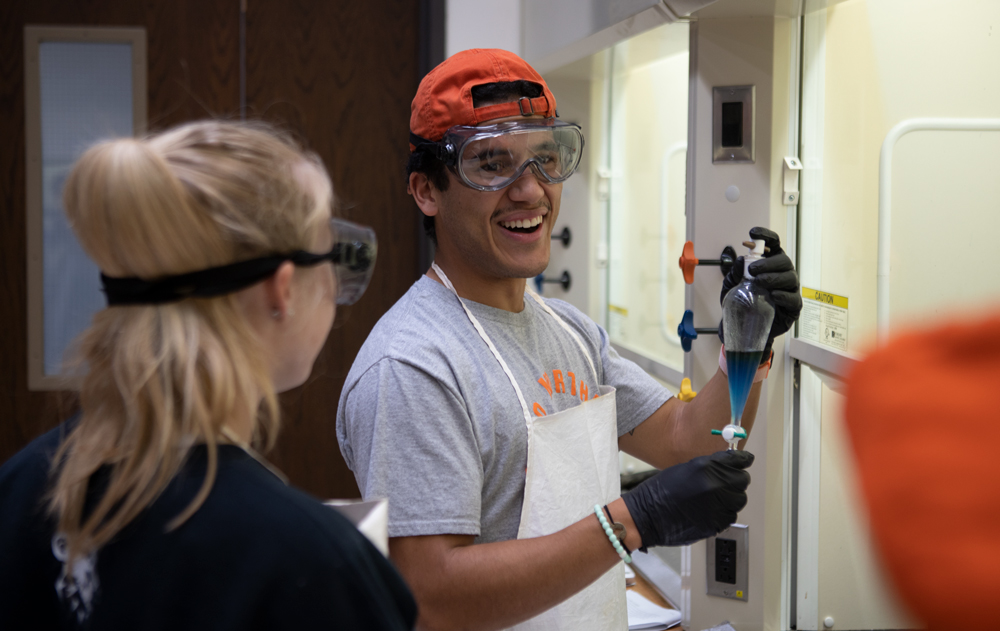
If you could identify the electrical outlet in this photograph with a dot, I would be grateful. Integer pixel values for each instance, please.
(727, 568)
(725, 560)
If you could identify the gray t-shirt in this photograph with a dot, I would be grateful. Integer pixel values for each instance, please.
(428, 419)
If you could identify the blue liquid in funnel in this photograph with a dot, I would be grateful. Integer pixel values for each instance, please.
(742, 366)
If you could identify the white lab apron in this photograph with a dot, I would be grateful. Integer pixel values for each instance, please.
(572, 465)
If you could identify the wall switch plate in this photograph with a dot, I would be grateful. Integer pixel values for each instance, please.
(727, 567)
(733, 123)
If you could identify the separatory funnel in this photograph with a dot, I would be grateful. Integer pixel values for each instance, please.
(747, 314)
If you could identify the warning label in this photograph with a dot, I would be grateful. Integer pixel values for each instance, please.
(824, 318)
(616, 321)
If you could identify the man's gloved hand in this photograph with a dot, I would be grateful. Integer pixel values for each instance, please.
(691, 501)
(776, 274)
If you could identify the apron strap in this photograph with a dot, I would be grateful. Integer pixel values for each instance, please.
(565, 326)
(489, 342)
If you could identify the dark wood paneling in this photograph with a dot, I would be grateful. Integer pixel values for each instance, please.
(341, 75)
(193, 73)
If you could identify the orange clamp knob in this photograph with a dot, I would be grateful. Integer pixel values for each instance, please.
(688, 262)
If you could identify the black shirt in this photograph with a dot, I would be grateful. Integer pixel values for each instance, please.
(256, 555)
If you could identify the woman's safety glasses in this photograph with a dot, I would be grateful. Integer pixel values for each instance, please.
(353, 257)
(491, 157)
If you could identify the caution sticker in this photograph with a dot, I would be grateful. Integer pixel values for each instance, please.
(824, 318)
(617, 317)
(619, 310)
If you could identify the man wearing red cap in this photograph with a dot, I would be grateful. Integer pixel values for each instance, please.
(492, 418)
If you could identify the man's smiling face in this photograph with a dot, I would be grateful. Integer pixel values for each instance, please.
(500, 234)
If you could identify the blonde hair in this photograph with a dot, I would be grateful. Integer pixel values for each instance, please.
(164, 377)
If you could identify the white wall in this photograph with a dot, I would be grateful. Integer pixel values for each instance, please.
(572, 92)
(478, 24)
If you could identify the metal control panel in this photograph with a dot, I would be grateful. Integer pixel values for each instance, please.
(733, 124)
(727, 557)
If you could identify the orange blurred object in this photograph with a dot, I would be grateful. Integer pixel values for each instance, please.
(922, 413)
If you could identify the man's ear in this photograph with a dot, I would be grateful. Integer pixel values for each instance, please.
(424, 193)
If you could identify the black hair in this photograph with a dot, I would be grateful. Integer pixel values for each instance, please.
(422, 160)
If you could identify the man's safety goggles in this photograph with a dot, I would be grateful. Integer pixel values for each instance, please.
(491, 157)
(353, 257)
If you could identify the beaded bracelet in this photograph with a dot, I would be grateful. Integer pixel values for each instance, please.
(625, 556)
(619, 528)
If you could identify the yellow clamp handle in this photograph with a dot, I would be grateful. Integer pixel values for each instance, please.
(686, 393)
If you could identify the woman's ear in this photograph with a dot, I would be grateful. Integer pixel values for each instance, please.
(278, 290)
(425, 194)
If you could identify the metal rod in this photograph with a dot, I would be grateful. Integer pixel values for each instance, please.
(565, 236)
(564, 279)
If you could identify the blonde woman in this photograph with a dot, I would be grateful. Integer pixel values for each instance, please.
(152, 509)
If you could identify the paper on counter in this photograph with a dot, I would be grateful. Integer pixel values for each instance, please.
(643, 614)
(629, 575)
(371, 518)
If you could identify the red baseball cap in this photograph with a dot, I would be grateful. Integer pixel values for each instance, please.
(444, 98)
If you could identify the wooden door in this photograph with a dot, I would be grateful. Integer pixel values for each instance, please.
(338, 74)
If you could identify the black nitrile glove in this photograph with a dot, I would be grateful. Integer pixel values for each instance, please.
(776, 274)
(691, 501)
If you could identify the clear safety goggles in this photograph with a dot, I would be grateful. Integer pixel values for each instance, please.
(353, 257)
(492, 157)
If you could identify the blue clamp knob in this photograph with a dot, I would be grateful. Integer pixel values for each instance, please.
(687, 331)
(564, 280)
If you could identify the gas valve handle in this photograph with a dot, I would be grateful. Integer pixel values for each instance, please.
(732, 434)
(564, 279)
(686, 393)
(565, 236)
(687, 331)
(688, 261)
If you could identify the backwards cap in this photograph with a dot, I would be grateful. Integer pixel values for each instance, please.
(444, 98)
